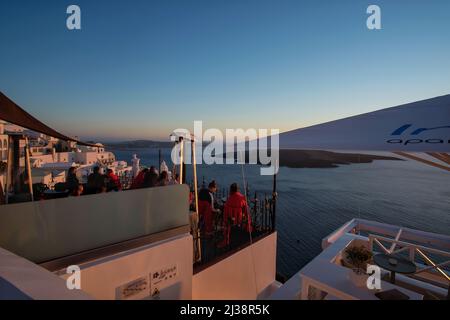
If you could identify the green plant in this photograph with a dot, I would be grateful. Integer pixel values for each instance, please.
(358, 256)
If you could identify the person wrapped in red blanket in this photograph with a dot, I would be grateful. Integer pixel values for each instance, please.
(235, 214)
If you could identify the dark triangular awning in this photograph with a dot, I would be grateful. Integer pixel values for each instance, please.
(12, 113)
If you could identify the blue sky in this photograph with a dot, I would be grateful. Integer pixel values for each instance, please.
(139, 69)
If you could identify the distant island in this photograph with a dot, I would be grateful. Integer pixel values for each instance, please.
(138, 144)
(288, 158)
(325, 159)
(321, 159)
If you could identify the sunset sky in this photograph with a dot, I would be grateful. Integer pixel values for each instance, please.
(140, 69)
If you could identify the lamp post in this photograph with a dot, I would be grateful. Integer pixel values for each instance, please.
(181, 142)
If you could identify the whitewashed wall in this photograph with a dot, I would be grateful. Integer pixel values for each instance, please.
(45, 230)
(104, 278)
(244, 275)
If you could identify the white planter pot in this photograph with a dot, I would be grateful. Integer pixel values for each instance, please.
(359, 279)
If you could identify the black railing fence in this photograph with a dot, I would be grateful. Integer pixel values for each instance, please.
(212, 247)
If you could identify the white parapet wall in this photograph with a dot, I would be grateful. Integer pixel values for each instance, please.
(21, 279)
(245, 275)
(161, 270)
(42, 231)
(128, 245)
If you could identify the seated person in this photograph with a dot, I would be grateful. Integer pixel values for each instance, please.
(150, 179)
(72, 180)
(163, 179)
(96, 182)
(78, 191)
(206, 207)
(113, 181)
(175, 179)
(90, 186)
(138, 181)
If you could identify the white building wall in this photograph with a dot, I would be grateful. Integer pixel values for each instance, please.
(29, 281)
(81, 158)
(59, 157)
(242, 276)
(45, 158)
(86, 158)
(103, 278)
(65, 157)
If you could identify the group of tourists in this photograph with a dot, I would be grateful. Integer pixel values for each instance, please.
(101, 182)
(97, 182)
(227, 218)
(233, 216)
(148, 178)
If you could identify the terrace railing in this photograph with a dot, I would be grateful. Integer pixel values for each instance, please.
(429, 251)
(427, 259)
(366, 227)
(207, 250)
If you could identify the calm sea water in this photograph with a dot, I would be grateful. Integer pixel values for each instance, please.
(314, 202)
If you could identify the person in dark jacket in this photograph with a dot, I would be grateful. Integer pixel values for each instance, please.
(150, 179)
(206, 208)
(97, 182)
(208, 194)
(72, 181)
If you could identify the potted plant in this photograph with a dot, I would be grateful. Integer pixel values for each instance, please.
(358, 256)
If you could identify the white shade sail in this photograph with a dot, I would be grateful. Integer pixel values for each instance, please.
(422, 126)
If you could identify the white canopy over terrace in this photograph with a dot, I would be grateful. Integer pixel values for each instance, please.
(422, 126)
(418, 127)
